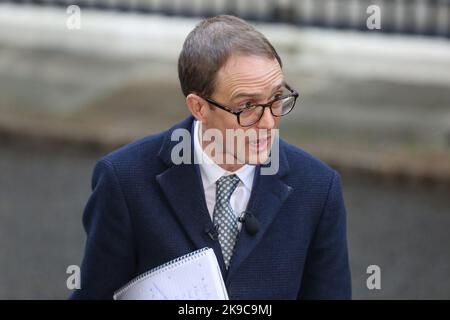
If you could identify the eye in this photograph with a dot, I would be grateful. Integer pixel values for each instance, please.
(277, 95)
(245, 105)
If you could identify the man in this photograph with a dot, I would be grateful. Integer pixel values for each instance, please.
(277, 235)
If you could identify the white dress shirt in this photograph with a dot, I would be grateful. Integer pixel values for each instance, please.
(211, 172)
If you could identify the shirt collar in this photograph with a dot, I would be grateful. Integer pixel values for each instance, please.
(211, 172)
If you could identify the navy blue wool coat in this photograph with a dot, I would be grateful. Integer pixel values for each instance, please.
(145, 210)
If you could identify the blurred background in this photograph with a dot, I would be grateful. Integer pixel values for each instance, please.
(374, 105)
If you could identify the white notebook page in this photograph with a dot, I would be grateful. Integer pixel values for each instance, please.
(195, 276)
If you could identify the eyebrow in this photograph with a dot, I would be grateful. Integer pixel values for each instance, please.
(256, 95)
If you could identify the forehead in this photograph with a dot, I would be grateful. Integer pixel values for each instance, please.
(248, 74)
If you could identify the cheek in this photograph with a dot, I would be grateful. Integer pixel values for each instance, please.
(226, 121)
(214, 120)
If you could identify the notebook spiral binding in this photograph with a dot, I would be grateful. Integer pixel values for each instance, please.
(166, 266)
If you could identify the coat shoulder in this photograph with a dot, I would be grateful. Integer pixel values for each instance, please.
(143, 149)
(301, 161)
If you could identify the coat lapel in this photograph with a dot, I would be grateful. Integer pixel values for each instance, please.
(269, 192)
(182, 187)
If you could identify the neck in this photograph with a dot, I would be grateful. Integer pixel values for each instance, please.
(234, 163)
(230, 167)
(223, 157)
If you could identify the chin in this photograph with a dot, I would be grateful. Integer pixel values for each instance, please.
(255, 158)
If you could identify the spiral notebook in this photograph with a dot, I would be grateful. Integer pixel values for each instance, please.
(194, 276)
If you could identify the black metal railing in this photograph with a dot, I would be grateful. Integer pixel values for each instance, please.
(421, 17)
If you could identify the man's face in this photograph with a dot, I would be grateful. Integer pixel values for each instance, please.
(241, 80)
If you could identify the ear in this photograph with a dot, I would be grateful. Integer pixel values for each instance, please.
(197, 106)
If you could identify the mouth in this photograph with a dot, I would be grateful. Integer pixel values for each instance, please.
(259, 146)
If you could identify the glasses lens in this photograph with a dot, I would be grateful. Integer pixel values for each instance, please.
(279, 108)
(284, 106)
(250, 116)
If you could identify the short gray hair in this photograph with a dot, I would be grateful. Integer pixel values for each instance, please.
(209, 45)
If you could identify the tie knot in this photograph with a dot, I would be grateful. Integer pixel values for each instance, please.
(227, 184)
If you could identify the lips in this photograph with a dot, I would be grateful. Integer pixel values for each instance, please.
(260, 145)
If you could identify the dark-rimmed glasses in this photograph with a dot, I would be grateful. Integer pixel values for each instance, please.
(249, 114)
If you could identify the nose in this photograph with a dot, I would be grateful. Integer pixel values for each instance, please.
(267, 120)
